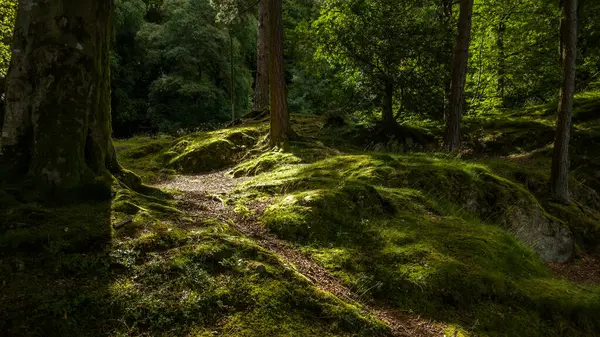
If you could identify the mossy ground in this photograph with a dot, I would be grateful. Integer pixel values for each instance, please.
(423, 232)
(398, 228)
(66, 271)
(158, 158)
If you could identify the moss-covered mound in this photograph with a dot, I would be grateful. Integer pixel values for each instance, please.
(434, 235)
(199, 152)
(66, 271)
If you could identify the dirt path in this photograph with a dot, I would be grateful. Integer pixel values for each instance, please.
(201, 196)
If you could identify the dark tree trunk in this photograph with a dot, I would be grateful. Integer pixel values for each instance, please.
(280, 119)
(501, 62)
(56, 128)
(446, 17)
(459, 75)
(388, 104)
(261, 89)
(559, 180)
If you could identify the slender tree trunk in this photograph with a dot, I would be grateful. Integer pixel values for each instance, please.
(459, 75)
(501, 91)
(280, 119)
(261, 89)
(446, 17)
(388, 104)
(559, 179)
(56, 127)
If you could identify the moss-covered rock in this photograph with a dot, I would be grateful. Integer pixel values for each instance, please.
(157, 159)
(469, 188)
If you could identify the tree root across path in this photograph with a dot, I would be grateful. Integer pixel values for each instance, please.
(202, 196)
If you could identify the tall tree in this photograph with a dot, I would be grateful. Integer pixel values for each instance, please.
(446, 17)
(56, 127)
(261, 89)
(559, 179)
(280, 119)
(459, 75)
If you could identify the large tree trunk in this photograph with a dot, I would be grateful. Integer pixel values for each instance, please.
(559, 180)
(459, 75)
(56, 128)
(280, 120)
(261, 89)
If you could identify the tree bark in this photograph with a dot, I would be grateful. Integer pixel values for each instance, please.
(559, 179)
(56, 127)
(446, 17)
(388, 104)
(501, 62)
(261, 88)
(280, 119)
(459, 75)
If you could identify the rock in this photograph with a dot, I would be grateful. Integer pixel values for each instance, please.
(261, 269)
(551, 239)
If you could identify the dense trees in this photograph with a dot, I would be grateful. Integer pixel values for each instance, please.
(56, 126)
(172, 66)
(377, 60)
(387, 52)
(513, 59)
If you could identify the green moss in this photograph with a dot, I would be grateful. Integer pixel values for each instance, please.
(264, 162)
(157, 159)
(427, 233)
(66, 271)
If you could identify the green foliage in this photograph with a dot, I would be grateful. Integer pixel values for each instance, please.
(514, 53)
(8, 10)
(174, 72)
(370, 43)
(588, 76)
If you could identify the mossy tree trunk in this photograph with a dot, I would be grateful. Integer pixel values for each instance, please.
(459, 75)
(261, 89)
(559, 179)
(280, 119)
(56, 127)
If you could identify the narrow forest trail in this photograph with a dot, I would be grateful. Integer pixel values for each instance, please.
(203, 195)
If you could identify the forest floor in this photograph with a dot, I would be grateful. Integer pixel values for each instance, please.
(345, 232)
(203, 195)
